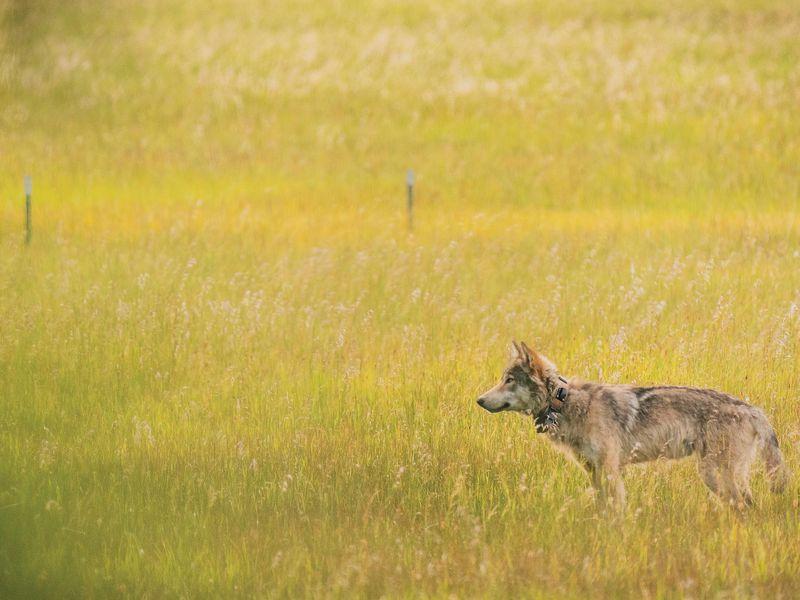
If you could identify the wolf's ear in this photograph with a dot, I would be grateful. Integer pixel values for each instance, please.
(527, 356)
(514, 351)
(526, 353)
(538, 362)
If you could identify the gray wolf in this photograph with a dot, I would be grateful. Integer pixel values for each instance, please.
(605, 427)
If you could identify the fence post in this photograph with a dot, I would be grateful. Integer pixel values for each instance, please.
(28, 223)
(410, 193)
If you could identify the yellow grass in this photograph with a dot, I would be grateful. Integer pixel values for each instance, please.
(227, 369)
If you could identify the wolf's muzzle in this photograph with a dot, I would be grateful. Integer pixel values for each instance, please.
(482, 404)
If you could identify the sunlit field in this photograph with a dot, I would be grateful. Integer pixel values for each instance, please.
(227, 367)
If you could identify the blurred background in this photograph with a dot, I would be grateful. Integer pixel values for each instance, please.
(228, 367)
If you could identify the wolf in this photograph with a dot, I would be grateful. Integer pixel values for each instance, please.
(606, 427)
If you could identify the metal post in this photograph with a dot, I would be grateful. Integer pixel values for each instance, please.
(28, 223)
(410, 192)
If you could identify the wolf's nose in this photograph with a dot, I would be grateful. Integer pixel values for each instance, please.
(481, 401)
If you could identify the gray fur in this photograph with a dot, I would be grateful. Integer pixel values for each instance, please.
(606, 427)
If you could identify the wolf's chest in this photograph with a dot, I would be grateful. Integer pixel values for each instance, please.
(581, 451)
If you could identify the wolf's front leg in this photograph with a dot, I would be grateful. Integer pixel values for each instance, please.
(617, 489)
(609, 487)
(599, 485)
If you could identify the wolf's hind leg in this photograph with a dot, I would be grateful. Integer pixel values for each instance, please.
(747, 495)
(736, 457)
(724, 467)
(709, 473)
(721, 482)
(732, 491)
(741, 476)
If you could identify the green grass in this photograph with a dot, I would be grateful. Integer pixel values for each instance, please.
(226, 368)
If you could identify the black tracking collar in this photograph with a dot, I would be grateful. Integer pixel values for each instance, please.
(547, 419)
(561, 392)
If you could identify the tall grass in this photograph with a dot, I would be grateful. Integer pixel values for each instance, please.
(227, 369)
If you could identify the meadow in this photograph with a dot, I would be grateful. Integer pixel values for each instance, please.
(227, 368)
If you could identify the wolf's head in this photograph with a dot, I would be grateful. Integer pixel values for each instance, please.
(524, 384)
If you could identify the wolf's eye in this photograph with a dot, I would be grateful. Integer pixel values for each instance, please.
(509, 380)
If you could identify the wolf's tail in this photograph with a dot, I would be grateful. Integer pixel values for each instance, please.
(777, 471)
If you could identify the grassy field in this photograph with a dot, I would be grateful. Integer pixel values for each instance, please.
(227, 369)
